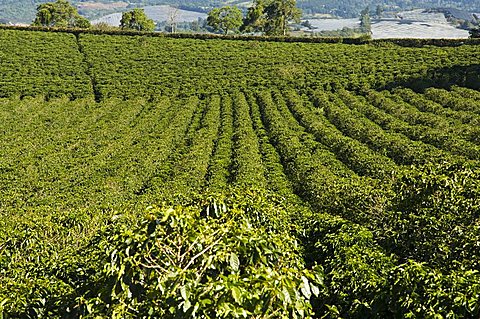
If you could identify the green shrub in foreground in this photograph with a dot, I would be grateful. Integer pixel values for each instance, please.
(177, 264)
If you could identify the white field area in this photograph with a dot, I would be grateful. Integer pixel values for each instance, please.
(415, 29)
(156, 13)
(334, 24)
(408, 24)
(417, 24)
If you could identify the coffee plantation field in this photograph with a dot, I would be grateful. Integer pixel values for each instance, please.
(155, 177)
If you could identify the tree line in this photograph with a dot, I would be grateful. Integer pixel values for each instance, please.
(270, 17)
(63, 14)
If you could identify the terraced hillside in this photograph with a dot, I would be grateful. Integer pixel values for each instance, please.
(147, 177)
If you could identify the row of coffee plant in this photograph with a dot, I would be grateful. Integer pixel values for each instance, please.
(150, 176)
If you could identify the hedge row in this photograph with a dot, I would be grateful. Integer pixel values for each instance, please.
(207, 36)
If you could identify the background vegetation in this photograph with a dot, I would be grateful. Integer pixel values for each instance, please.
(24, 11)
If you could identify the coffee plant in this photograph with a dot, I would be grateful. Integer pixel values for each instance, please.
(198, 176)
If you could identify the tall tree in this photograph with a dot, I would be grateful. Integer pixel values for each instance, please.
(278, 14)
(365, 21)
(379, 11)
(225, 19)
(172, 19)
(136, 20)
(59, 14)
(255, 20)
(271, 16)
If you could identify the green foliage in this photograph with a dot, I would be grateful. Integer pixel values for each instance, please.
(348, 200)
(136, 19)
(278, 14)
(103, 26)
(177, 263)
(247, 161)
(432, 201)
(219, 172)
(365, 21)
(225, 19)
(271, 16)
(232, 257)
(59, 14)
(254, 21)
(60, 72)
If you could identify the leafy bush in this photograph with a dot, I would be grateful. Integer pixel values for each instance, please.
(215, 262)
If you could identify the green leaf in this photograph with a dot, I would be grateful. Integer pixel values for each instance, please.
(237, 295)
(186, 305)
(315, 290)
(206, 302)
(305, 289)
(234, 262)
(183, 292)
(333, 310)
(195, 308)
(286, 296)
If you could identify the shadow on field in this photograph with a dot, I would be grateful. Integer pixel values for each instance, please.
(461, 75)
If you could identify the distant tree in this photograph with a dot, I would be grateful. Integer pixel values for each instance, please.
(82, 23)
(195, 26)
(225, 19)
(271, 16)
(365, 21)
(255, 19)
(136, 20)
(278, 14)
(172, 19)
(379, 12)
(307, 24)
(59, 14)
(104, 27)
(475, 33)
(365, 11)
